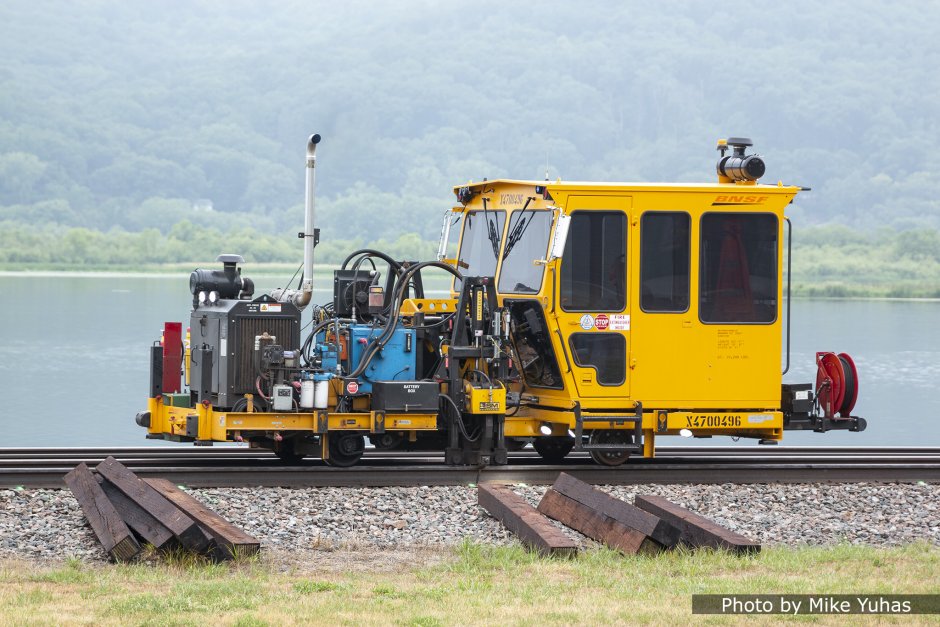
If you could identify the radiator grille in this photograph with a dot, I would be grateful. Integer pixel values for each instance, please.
(246, 328)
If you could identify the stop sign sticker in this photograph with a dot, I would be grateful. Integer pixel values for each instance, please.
(601, 321)
(352, 387)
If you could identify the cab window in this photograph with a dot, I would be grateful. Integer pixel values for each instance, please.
(738, 275)
(526, 241)
(605, 352)
(479, 246)
(593, 267)
(664, 261)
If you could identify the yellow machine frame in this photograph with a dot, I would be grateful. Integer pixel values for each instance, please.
(682, 375)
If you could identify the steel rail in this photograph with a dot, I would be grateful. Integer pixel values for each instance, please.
(246, 468)
(432, 475)
(267, 460)
(192, 452)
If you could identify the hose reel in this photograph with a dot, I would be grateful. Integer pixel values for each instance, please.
(836, 384)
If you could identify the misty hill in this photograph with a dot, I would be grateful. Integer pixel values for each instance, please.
(140, 115)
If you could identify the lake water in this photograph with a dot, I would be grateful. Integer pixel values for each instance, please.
(74, 360)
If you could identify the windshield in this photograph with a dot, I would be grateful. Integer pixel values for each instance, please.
(527, 240)
(479, 246)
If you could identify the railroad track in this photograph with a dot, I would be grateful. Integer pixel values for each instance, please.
(230, 466)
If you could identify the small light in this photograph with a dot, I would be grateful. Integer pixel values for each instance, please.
(545, 429)
(213, 297)
(202, 298)
(570, 433)
(685, 433)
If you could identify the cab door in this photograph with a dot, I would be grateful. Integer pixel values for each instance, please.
(593, 307)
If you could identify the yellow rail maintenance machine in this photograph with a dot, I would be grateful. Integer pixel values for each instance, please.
(583, 316)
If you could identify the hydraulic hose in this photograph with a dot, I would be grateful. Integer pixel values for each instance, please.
(386, 335)
(458, 419)
(372, 253)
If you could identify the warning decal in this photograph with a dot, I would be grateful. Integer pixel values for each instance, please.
(620, 322)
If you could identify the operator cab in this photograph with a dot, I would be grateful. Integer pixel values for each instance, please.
(661, 295)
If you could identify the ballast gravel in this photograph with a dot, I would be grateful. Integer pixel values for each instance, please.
(48, 524)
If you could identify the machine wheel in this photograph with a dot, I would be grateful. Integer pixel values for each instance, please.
(386, 441)
(286, 453)
(553, 448)
(346, 450)
(610, 436)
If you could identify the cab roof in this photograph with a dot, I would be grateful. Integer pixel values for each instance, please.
(600, 186)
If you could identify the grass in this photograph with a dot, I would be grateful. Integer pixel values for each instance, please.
(476, 584)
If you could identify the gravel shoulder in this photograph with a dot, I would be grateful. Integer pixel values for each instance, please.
(390, 528)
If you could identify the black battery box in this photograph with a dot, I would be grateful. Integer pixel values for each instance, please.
(405, 396)
(797, 398)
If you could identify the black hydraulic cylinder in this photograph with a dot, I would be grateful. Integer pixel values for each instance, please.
(500, 454)
(201, 359)
(156, 371)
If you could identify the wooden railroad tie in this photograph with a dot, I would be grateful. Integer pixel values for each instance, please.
(606, 519)
(190, 535)
(696, 530)
(139, 519)
(230, 541)
(657, 529)
(596, 525)
(532, 527)
(122, 508)
(118, 541)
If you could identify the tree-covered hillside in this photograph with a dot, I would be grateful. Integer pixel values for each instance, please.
(137, 115)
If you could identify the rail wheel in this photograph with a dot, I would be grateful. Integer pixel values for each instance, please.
(610, 436)
(553, 448)
(386, 441)
(293, 449)
(346, 450)
(287, 453)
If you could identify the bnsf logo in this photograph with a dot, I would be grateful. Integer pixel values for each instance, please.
(741, 199)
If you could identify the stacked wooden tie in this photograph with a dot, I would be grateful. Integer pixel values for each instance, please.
(650, 525)
(125, 511)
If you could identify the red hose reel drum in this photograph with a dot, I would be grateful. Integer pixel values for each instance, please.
(836, 383)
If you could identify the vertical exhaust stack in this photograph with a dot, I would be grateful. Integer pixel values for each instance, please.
(309, 234)
(301, 298)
